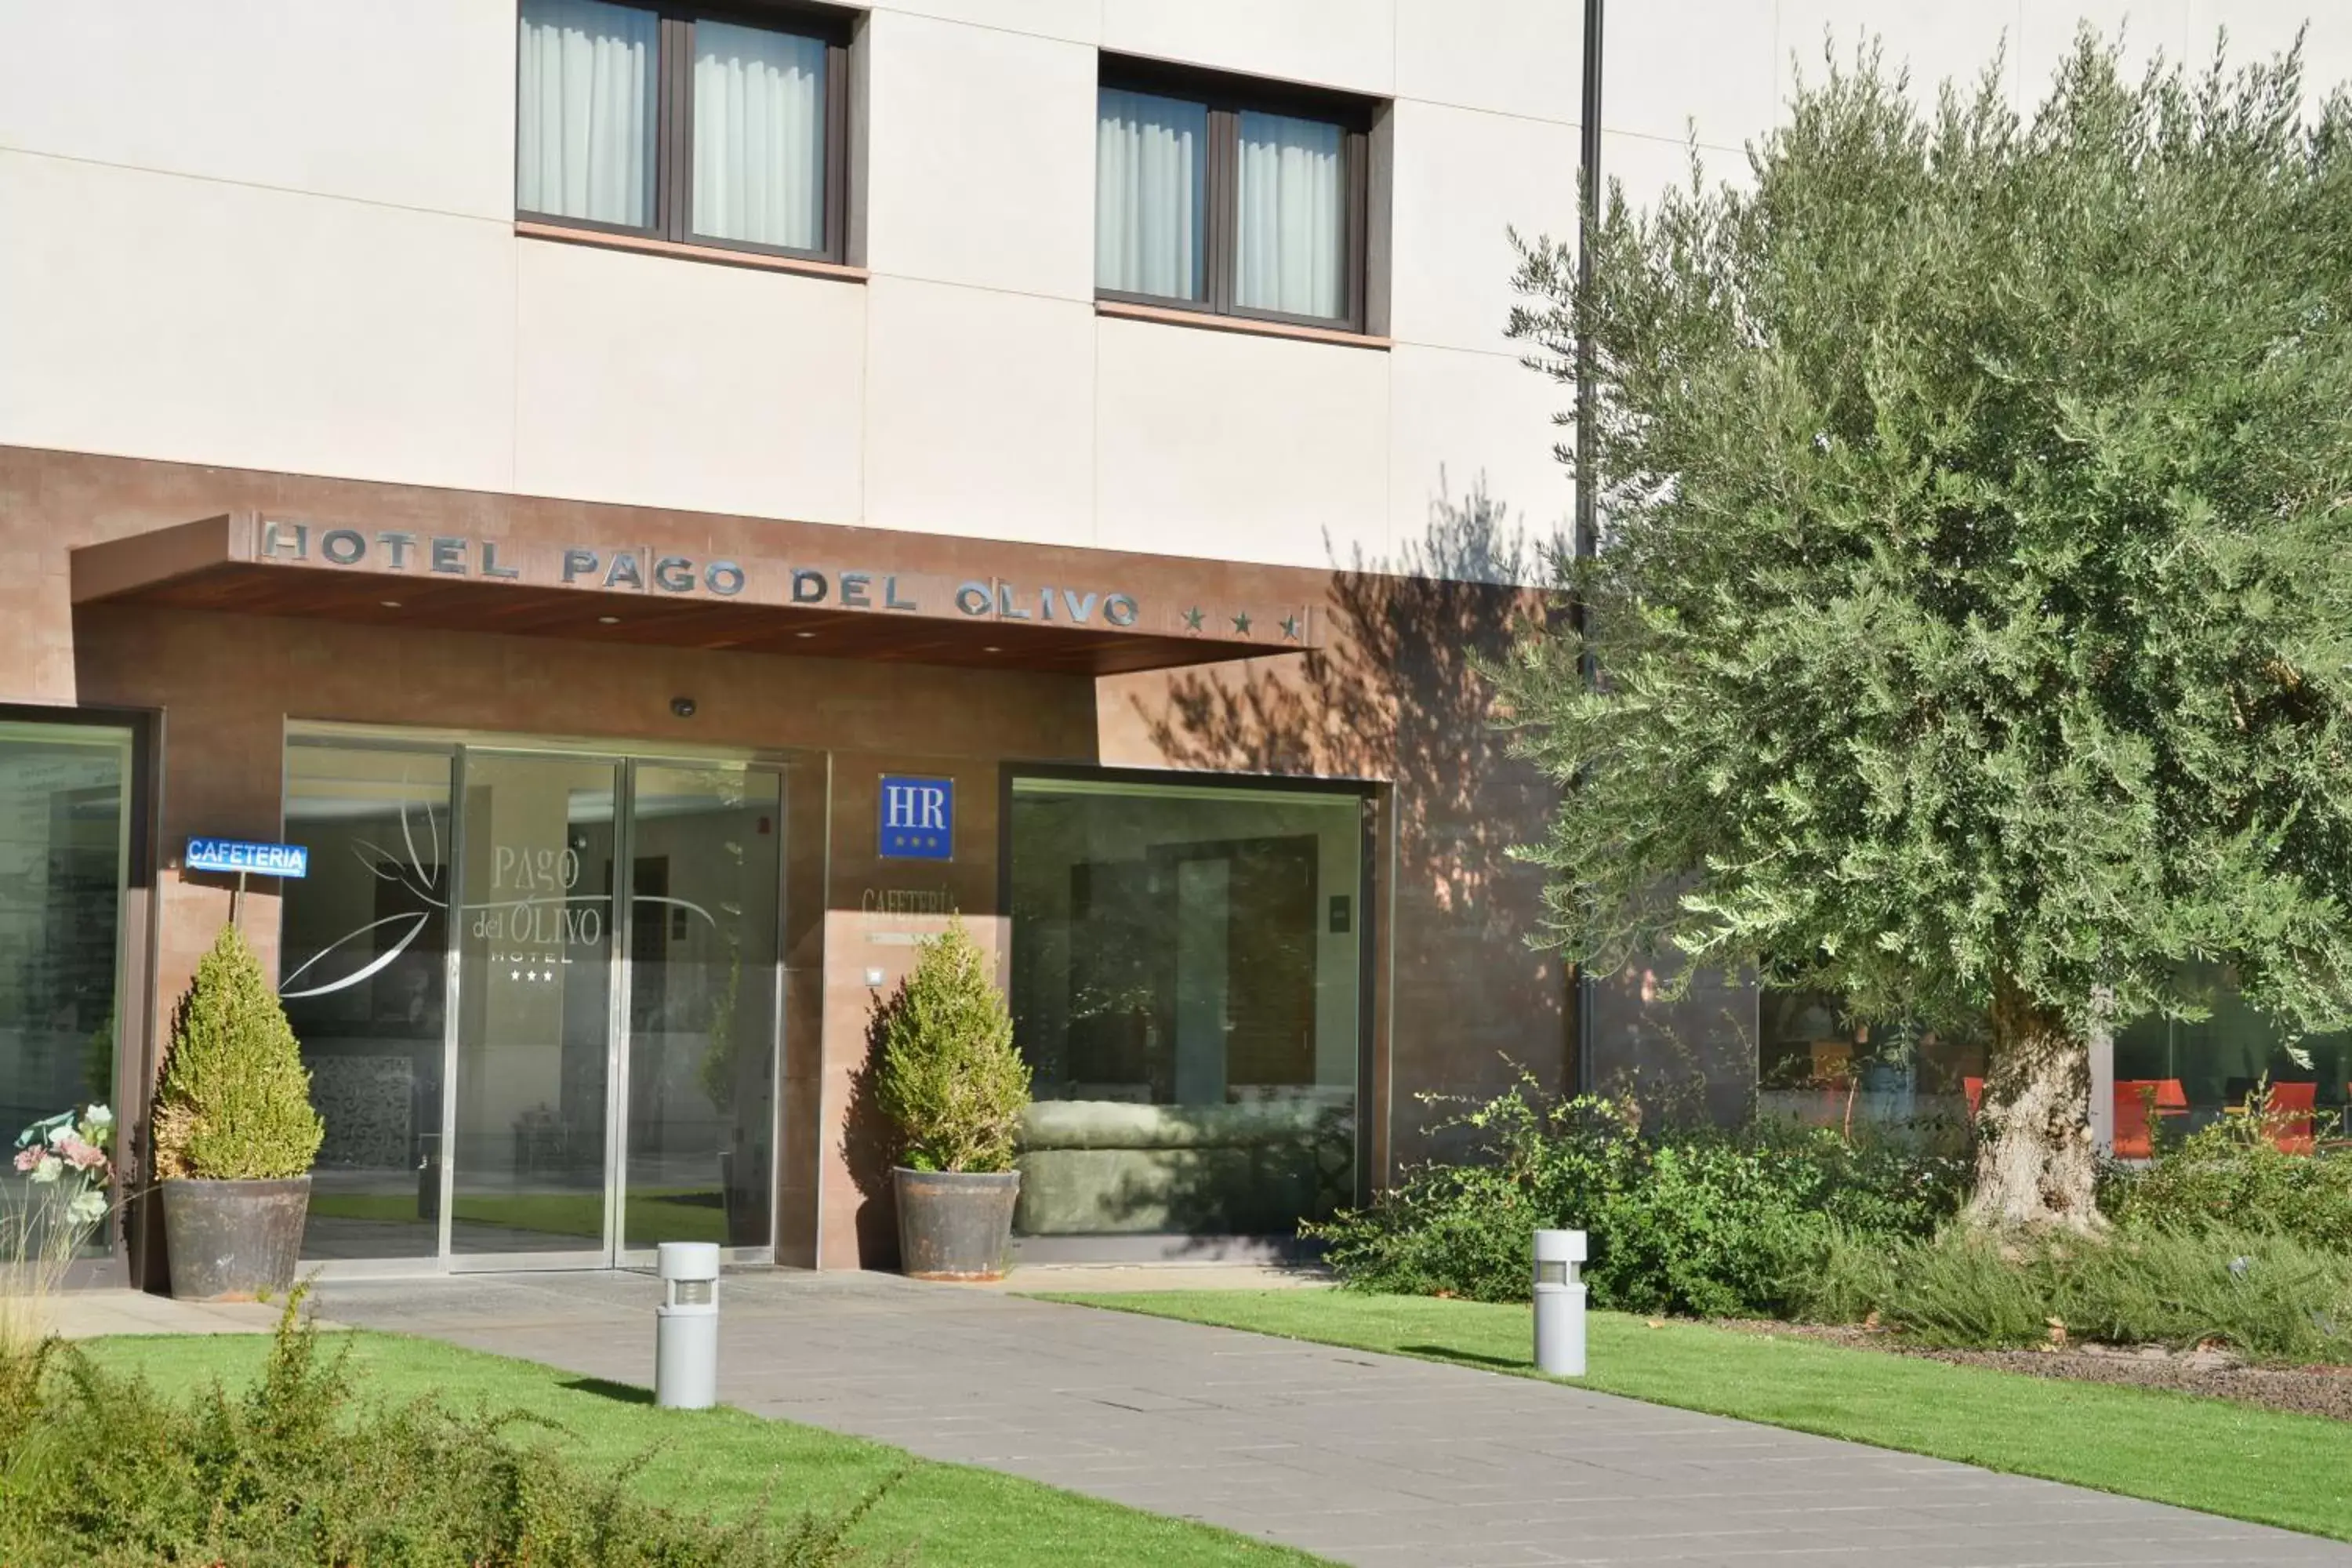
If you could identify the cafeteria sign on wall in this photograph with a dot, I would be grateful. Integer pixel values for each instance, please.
(238, 857)
(918, 818)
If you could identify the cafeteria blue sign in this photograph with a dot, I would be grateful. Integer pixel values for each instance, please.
(918, 818)
(259, 859)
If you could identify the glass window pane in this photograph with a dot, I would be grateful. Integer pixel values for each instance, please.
(1150, 194)
(1818, 1062)
(586, 111)
(535, 977)
(703, 1004)
(1291, 239)
(363, 970)
(1185, 971)
(63, 840)
(2174, 1075)
(759, 136)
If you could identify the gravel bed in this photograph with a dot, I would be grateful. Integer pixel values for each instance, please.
(2305, 1390)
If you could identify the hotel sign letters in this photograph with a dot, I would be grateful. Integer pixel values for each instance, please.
(918, 818)
(641, 570)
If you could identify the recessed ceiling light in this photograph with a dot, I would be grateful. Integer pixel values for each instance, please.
(991, 648)
(608, 620)
(803, 634)
(389, 603)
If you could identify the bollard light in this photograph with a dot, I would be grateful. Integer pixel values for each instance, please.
(1559, 1303)
(685, 1326)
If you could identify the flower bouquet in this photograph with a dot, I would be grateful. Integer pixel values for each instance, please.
(68, 1150)
(45, 1220)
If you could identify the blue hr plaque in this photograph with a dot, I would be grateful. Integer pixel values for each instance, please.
(918, 818)
(259, 859)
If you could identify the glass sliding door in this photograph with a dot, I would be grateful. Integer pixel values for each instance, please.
(704, 847)
(64, 852)
(538, 993)
(363, 973)
(533, 1129)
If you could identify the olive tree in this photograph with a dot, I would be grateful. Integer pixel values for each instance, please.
(1972, 600)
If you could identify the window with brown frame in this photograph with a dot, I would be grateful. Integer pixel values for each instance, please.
(715, 125)
(1230, 197)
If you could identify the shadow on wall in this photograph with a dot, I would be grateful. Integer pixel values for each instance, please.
(1394, 694)
(869, 1147)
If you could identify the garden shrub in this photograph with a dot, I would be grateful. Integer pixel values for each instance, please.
(2268, 1295)
(234, 1102)
(295, 1473)
(2230, 1176)
(1695, 1219)
(949, 1078)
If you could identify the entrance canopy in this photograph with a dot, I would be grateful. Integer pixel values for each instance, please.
(720, 583)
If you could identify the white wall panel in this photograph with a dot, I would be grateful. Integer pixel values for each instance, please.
(164, 317)
(1939, 40)
(2046, 36)
(1348, 44)
(1462, 180)
(1473, 488)
(981, 166)
(1501, 55)
(1240, 448)
(411, 104)
(1644, 167)
(683, 384)
(1075, 21)
(2263, 27)
(980, 413)
(1708, 62)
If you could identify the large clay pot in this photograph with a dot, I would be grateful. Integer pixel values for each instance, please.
(955, 1225)
(234, 1241)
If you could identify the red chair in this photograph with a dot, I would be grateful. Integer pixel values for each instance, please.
(2135, 1099)
(2288, 1121)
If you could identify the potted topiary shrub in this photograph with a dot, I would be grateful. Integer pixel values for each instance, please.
(234, 1134)
(953, 1085)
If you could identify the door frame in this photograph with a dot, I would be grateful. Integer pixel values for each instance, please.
(625, 758)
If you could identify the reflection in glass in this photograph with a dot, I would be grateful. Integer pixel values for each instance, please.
(535, 945)
(1821, 1065)
(63, 849)
(362, 973)
(1186, 963)
(2174, 1074)
(702, 1005)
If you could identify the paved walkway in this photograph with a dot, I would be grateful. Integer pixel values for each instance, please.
(1367, 1459)
(89, 1315)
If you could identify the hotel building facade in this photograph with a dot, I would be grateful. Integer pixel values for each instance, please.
(669, 504)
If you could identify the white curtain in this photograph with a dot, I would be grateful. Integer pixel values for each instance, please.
(1151, 173)
(586, 108)
(759, 136)
(1290, 241)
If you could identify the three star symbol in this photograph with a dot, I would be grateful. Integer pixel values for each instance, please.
(1241, 624)
(1290, 627)
(1193, 618)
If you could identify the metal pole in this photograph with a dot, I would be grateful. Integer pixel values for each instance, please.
(1587, 529)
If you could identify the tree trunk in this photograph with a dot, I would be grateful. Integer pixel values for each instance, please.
(2036, 1160)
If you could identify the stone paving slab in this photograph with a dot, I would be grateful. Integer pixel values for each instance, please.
(1369, 1459)
(89, 1314)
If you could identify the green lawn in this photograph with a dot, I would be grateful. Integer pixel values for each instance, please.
(723, 1461)
(2207, 1454)
(679, 1215)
